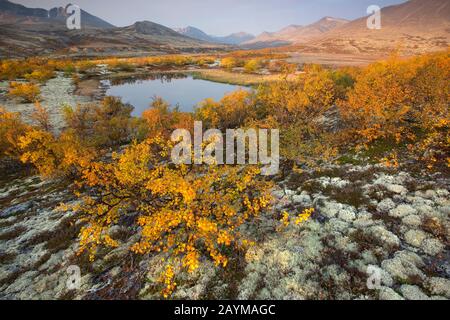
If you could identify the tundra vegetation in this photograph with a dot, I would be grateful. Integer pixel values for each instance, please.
(393, 111)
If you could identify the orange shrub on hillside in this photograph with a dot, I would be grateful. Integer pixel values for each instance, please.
(27, 92)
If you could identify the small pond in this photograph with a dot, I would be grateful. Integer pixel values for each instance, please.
(181, 90)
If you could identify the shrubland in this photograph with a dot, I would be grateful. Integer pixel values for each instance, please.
(401, 104)
(121, 167)
(27, 92)
(186, 213)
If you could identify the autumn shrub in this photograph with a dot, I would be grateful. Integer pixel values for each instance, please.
(402, 102)
(228, 63)
(103, 124)
(62, 156)
(41, 116)
(162, 119)
(234, 110)
(11, 128)
(14, 69)
(85, 66)
(281, 66)
(187, 213)
(252, 66)
(121, 65)
(27, 92)
(37, 69)
(40, 75)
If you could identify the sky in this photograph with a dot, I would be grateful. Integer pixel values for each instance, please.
(219, 17)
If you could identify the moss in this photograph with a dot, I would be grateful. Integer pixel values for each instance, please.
(350, 194)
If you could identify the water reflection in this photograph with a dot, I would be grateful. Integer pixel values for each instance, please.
(176, 88)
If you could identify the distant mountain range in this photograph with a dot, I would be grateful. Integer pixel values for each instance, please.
(26, 32)
(12, 13)
(295, 34)
(232, 39)
(415, 26)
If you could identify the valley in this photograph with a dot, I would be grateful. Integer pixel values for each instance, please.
(358, 210)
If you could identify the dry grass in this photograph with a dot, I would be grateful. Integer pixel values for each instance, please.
(242, 79)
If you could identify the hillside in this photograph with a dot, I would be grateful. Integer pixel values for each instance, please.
(295, 34)
(25, 30)
(415, 26)
(29, 18)
(232, 39)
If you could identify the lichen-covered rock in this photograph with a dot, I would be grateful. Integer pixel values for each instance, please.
(413, 293)
(402, 211)
(404, 266)
(412, 221)
(432, 246)
(304, 199)
(389, 294)
(384, 236)
(439, 286)
(386, 205)
(415, 237)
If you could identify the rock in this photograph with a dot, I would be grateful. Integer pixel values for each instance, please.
(386, 278)
(413, 293)
(445, 210)
(402, 211)
(15, 210)
(303, 199)
(347, 215)
(384, 236)
(432, 247)
(412, 221)
(429, 194)
(404, 265)
(442, 193)
(333, 182)
(333, 209)
(389, 294)
(439, 298)
(439, 286)
(396, 188)
(415, 237)
(289, 193)
(278, 194)
(386, 205)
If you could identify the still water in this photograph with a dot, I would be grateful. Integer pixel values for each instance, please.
(177, 89)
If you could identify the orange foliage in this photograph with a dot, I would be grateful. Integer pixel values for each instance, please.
(28, 92)
(185, 212)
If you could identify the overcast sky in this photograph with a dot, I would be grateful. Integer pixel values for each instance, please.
(219, 17)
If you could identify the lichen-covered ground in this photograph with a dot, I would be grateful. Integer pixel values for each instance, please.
(394, 222)
(55, 94)
(368, 220)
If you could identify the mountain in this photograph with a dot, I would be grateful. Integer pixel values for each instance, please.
(235, 38)
(151, 28)
(232, 39)
(28, 18)
(27, 32)
(415, 26)
(195, 33)
(296, 34)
